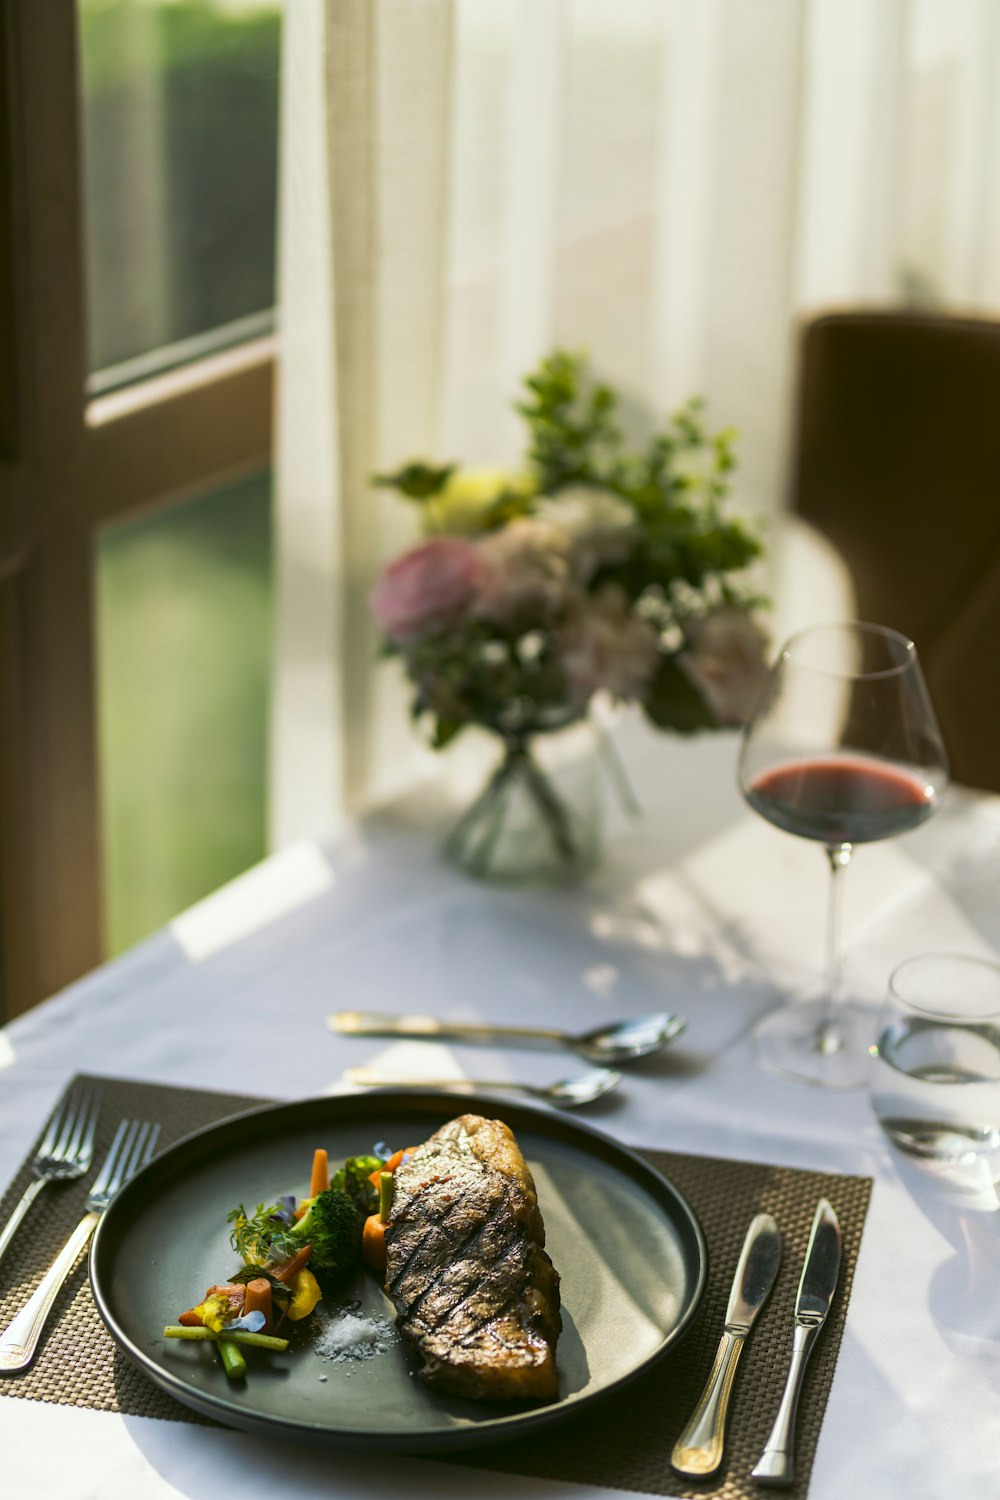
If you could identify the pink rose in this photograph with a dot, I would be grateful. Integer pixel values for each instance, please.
(724, 659)
(427, 588)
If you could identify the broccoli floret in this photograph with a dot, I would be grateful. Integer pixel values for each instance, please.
(352, 1179)
(332, 1225)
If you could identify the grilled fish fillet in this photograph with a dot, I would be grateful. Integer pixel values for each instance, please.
(473, 1288)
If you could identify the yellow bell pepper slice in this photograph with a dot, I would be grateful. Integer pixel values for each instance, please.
(305, 1295)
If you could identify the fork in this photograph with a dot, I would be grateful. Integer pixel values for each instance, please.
(66, 1151)
(131, 1149)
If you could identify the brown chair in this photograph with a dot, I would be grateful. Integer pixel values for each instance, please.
(897, 463)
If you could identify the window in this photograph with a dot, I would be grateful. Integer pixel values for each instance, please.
(180, 111)
(135, 412)
(183, 650)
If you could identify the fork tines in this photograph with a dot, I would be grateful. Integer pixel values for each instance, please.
(73, 1125)
(132, 1147)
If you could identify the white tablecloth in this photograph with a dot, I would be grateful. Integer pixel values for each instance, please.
(699, 908)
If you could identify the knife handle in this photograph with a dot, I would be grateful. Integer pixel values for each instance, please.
(698, 1450)
(777, 1462)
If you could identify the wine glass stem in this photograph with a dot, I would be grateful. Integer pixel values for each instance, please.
(829, 1038)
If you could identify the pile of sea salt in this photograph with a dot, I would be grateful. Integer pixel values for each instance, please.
(353, 1335)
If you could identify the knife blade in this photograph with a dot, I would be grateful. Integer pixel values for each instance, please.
(700, 1446)
(817, 1285)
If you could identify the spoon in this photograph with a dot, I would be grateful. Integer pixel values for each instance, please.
(568, 1093)
(622, 1041)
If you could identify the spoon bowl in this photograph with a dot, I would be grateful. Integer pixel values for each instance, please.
(624, 1041)
(567, 1093)
(584, 1088)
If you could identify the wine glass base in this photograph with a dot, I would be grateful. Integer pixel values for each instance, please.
(793, 1044)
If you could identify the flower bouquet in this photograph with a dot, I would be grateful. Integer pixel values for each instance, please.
(592, 570)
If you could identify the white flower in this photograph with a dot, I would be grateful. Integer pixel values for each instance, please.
(527, 572)
(725, 661)
(604, 646)
(601, 526)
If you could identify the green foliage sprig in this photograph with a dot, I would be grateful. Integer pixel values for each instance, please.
(676, 483)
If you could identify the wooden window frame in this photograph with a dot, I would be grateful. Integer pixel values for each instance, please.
(68, 467)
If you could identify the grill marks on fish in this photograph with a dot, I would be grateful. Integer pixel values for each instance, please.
(475, 1292)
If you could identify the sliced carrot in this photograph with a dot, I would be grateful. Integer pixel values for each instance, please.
(291, 1268)
(258, 1299)
(373, 1246)
(234, 1292)
(320, 1173)
(394, 1161)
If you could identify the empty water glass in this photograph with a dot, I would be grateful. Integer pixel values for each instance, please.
(935, 1081)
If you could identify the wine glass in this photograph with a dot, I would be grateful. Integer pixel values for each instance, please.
(842, 747)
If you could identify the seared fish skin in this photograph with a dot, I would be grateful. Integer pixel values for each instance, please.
(473, 1288)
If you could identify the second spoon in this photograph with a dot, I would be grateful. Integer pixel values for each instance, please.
(568, 1093)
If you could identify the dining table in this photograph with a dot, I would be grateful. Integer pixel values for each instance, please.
(697, 907)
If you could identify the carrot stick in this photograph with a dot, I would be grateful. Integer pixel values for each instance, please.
(258, 1299)
(320, 1173)
(390, 1166)
(373, 1246)
(291, 1268)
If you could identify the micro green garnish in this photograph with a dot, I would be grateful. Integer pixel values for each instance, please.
(260, 1236)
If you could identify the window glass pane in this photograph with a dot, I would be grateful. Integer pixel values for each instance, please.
(180, 102)
(184, 633)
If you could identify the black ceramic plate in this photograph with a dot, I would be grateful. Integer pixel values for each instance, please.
(628, 1248)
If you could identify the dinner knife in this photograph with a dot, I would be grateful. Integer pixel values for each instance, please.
(816, 1288)
(699, 1448)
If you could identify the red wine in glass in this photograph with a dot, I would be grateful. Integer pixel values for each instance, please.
(843, 749)
(849, 799)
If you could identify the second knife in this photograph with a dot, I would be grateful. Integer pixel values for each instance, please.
(699, 1448)
(816, 1288)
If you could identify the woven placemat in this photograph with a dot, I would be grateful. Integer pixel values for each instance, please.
(624, 1443)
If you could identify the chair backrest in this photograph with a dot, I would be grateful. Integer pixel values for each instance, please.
(897, 462)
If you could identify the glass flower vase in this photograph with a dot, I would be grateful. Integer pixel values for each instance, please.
(537, 820)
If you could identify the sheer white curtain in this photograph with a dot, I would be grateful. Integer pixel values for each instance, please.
(672, 184)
